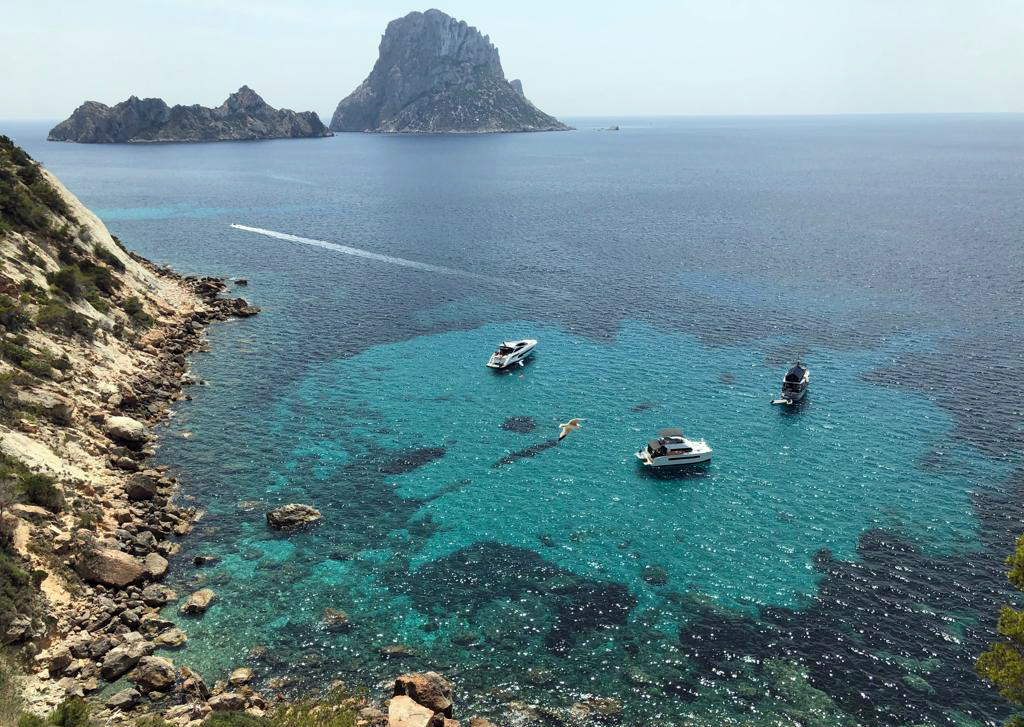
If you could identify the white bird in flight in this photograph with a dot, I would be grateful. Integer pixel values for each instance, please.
(570, 426)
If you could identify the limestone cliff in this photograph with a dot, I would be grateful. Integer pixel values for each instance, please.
(243, 116)
(436, 74)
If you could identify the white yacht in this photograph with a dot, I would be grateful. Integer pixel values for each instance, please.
(794, 384)
(510, 353)
(672, 449)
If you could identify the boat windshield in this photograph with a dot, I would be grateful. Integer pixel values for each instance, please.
(504, 350)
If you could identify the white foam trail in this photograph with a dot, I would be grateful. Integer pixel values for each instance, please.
(369, 255)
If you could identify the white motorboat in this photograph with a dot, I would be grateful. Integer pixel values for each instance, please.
(672, 449)
(510, 353)
(794, 384)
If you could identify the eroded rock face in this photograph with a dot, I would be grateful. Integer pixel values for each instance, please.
(292, 516)
(429, 689)
(405, 712)
(436, 74)
(243, 116)
(109, 567)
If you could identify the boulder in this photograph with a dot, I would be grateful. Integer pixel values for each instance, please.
(404, 712)
(141, 487)
(241, 675)
(155, 565)
(125, 699)
(120, 660)
(19, 630)
(480, 722)
(154, 674)
(427, 688)
(171, 639)
(156, 594)
(59, 660)
(292, 516)
(127, 431)
(227, 702)
(109, 567)
(199, 601)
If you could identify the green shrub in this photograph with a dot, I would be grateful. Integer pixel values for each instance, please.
(236, 719)
(133, 307)
(12, 314)
(108, 257)
(151, 720)
(41, 490)
(61, 319)
(72, 712)
(329, 711)
(69, 280)
(31, 720)
(10, 697)
(16, 591)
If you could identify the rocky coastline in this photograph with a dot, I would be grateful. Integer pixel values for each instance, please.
(94, 352)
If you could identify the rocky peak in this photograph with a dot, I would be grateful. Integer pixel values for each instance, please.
(438, 74)
(244, 100)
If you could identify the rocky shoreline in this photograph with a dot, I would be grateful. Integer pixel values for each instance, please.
(104, 622)
(105, 594)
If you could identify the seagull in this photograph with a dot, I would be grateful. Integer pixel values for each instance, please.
(570, 426)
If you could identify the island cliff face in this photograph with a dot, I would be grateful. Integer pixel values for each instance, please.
(243, 116)
(435, 74)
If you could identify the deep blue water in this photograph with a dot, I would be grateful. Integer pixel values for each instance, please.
(838, 563)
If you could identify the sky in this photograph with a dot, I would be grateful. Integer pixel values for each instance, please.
(575, 57)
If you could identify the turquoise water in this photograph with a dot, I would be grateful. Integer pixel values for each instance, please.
(839, 562)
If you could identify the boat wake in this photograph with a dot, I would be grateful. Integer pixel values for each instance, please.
(371, 255)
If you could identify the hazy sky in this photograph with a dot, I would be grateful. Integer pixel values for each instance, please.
(575, 57)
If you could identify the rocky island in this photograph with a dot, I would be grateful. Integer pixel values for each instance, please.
(435, 74)
(244, 116)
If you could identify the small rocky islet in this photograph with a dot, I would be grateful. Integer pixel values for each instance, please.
(436, 74)
(244, 116)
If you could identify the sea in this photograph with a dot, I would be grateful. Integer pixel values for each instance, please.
(838, 562)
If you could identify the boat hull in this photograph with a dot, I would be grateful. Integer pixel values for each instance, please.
(678, 460)
(504, 362)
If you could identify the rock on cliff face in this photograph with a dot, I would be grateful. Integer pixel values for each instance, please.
(243, 116)
(436, 74)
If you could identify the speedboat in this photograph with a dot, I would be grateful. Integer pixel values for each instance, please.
(510, 353)
(672, 449)
(794, 384)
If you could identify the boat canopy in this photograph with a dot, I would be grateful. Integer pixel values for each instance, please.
(670, 432)
(795, 374)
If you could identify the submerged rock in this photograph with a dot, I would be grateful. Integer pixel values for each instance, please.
(520, 424)
(436, 74)
(292, 516)
(199, 601)
(335, 620)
